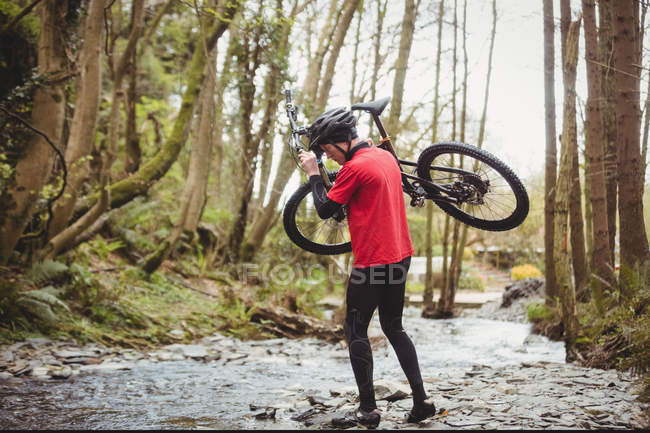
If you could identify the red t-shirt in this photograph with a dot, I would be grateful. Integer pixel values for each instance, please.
(371, 185)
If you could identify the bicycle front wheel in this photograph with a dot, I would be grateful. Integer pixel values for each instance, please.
(481, 191)
(311, 233)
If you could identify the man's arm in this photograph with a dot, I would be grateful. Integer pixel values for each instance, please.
(324, 206)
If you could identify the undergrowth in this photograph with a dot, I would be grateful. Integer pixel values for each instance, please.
(93, 295)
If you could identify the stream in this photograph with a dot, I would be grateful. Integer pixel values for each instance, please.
(484, 373)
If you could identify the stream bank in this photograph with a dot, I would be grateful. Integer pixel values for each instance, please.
(482, 374)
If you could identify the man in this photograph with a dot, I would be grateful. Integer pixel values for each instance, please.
(369, 184)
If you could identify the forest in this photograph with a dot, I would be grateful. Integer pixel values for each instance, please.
(144, 164)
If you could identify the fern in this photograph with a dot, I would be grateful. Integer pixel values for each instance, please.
(45, 271)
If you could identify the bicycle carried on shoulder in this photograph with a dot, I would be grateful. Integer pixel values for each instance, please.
(463, 180)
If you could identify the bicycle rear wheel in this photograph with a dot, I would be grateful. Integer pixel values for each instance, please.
(491, 196)
(311, 233)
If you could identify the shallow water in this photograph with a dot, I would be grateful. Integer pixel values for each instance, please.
(226, 393)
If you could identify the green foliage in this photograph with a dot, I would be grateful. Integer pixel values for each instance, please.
(536, 311)
(470, 280)
(28, 26)
(46, 271)
(102, 248)
(621, 336)
(237, 318)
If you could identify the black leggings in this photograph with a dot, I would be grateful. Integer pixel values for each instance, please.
(379, 286)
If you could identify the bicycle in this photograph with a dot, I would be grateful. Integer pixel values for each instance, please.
(463, 180)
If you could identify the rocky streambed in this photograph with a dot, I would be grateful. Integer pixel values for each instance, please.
(483, 373)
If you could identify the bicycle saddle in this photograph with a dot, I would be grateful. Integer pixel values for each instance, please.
(374, 107)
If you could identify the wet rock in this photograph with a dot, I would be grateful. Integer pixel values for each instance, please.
(526, 288)
(390, 391)
(60, 372)
(269, 413)
(177, 334)
(193, 351)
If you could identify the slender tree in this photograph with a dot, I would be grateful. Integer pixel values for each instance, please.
(47, 116)
(551, 151)
(86, 107)
(427, 301)
(595, 151)
(561, 243)
(123, 191)
(401, 65)
(633, 238)
(608, 110)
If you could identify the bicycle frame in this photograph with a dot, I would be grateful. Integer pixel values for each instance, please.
(411, 184)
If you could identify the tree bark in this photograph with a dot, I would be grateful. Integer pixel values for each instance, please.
(561, 242)
(194, 194)
(312, 87)
(401, 65)
(377, 56)
(595, 151)
(551, 151)
(82, 127)
(633, 238)
(427, 299)
(139, 183)
(67, 236)
(48, 111)
(575, 201)
(608, 109)
(341, 30)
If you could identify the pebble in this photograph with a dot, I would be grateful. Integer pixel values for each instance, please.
(530, 395)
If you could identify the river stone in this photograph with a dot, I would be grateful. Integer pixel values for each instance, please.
(41, 371)
(193, 351)
(169, 356)
(108, 366)
(61, 372)
(390, 391)
(8, 356)
(76, 354)
(177, 334)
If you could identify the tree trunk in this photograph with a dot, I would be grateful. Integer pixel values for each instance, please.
(576, 220)
(575, 202)
(401, 65)
(311, 88)
(48, 111)
(355, 57)
(595, 146)
(608, 110)
(82, 127)
(139, 183)
(377, 57)
(551, 151)
(633, 238)
(561, 243)
(457, 267)
(341, 31)
(448, 293)
(193, 197)
(133, 153)
(427, 301)
(64, 239)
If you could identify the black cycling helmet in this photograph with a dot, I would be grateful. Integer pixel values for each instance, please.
(333, 126)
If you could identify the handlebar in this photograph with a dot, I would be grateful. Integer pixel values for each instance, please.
(296, 131)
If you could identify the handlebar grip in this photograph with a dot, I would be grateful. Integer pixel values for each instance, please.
(287, 95)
